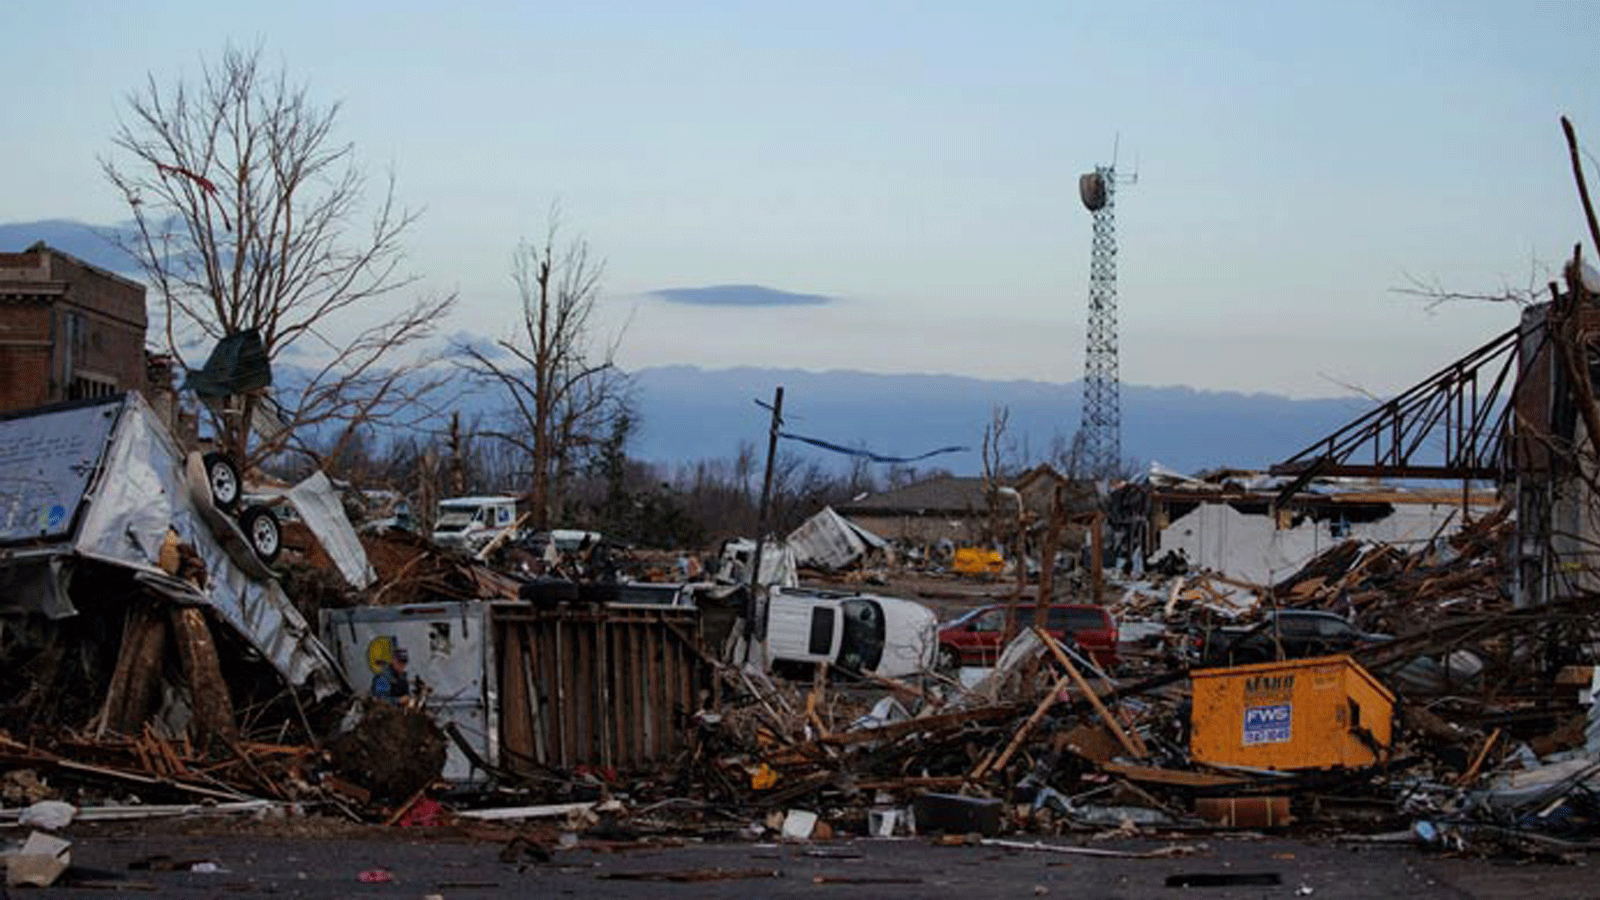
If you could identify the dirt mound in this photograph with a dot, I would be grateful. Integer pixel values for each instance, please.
(392, 752)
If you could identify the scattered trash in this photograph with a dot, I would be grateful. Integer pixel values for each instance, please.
(51, 815)
(798, 824)
(42, 860)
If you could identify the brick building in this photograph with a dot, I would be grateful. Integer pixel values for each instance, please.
(68, 330)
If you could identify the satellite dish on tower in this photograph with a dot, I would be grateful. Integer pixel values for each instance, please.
(1092, 190)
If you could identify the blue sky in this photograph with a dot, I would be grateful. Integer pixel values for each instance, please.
(918, 161)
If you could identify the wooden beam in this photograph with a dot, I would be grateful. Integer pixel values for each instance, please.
(1132, 744)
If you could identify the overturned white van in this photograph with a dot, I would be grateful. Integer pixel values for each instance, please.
(863, 633)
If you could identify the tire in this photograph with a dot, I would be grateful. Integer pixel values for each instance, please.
(222, 476)
(261, 527)
(949, 659)
(1249, 657)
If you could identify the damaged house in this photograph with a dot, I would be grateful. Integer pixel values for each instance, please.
(1230, 522)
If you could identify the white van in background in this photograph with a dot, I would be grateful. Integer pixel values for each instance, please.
(471, 522)
(862, 633)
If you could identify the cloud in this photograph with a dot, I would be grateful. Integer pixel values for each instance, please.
(746, 295)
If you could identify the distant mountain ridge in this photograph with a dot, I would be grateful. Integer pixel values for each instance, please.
(688, 414)
(691, 413)
(90, 243)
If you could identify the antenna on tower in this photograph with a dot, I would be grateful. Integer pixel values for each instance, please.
(1100, 427)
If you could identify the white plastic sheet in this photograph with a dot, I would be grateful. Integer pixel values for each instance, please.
(322, 511)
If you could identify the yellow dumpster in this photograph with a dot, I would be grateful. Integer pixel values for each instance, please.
(1295, 714)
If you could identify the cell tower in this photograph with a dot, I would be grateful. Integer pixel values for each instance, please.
(1101, 424)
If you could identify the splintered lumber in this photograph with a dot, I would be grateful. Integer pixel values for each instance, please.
(992, 763)
(1171, 777)
(937, 722)
(213, 708)
(135, 686)
(1477, 760)
(910, 782)
(1133, 744)
(119, 775)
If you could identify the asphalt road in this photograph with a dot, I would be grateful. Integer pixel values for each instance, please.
(459, 869)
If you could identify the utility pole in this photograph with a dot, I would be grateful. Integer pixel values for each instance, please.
(766, 488)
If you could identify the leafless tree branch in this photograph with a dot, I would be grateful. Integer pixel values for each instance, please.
(249, 213)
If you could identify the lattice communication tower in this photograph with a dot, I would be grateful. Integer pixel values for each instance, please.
(1101, 423)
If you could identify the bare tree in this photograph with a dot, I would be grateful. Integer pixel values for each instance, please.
(250, 214)
(564, 394)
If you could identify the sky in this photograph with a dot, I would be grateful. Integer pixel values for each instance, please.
(910, 168)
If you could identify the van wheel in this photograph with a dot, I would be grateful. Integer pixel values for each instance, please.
(223, 478)
(261, 527)
(949, 659)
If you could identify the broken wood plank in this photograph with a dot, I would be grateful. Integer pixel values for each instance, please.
(1173, 777)
(1133, 744)
(937, 722)
(983, 768)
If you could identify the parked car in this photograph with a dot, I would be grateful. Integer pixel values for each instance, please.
(861, 633)
(974, 638)
(1281, 634)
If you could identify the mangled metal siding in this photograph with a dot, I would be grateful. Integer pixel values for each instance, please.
(137, 486)
(608, 687)
(828, 540)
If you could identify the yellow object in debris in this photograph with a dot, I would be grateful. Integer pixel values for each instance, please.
(1296, 714)
(167, 558)
(978, 561)
(762, 777)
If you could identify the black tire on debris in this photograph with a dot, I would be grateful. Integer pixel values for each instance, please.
(222, 476)
(261, 527)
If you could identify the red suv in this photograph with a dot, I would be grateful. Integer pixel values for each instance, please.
(974, 639)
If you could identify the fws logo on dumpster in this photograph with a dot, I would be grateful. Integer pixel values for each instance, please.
(1267, 724)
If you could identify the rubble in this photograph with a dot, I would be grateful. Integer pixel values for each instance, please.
(153, 666)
